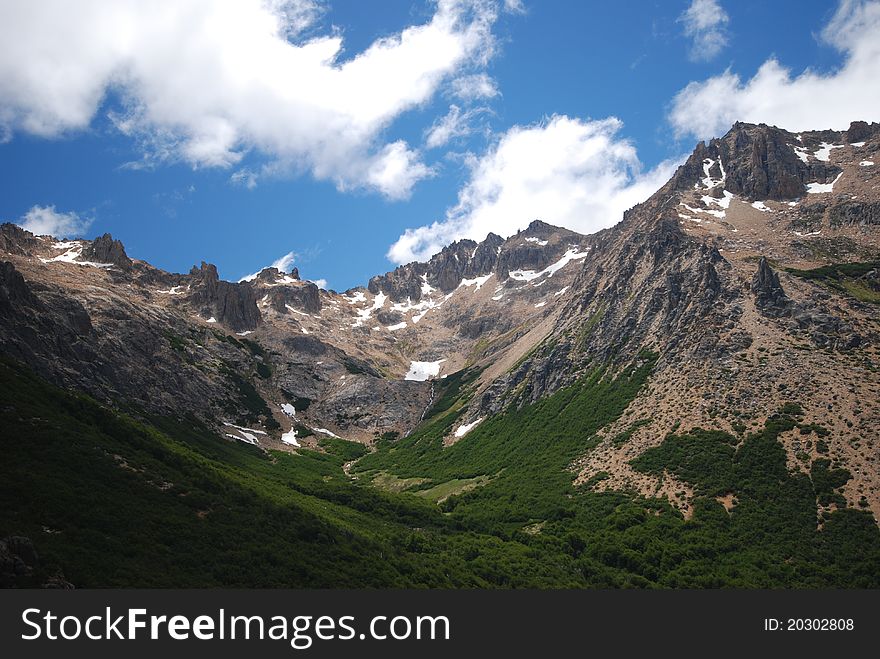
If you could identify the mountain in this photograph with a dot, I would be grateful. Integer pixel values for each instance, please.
(706, 366)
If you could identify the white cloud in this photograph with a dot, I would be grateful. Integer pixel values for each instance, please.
(566, 171)
(704, 23)
(453, 124)
(320, 283)
(206, 82)
(808, 101)
(474, 87)
(285, 262)
(45, 220)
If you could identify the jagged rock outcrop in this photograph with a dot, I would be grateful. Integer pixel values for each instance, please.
(769, 296)
(15, 240)
(756, 162)
(304, 297)
(105, 249)
(534, 248)
(234, 305)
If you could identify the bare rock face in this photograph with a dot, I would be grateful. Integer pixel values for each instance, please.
(234, 305)
(40, 333)
(15, 240)
(769, 296)
(861, 131)
(105, 249)
(303, 297)
(535, 248)
(757, 162)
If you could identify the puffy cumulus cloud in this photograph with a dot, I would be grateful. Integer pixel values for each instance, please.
(807, 101)
(207, 81)
(566, 171)
(705, 25)
(46, 221)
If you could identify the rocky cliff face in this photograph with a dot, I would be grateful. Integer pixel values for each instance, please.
(718, 277)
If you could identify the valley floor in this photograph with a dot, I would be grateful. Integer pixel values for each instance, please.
(111, 499)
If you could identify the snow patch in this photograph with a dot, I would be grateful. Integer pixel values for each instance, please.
(464, 429)
(801, 152)
(253, 430)
(571, 255)
(709, 182)
(561, 291)
(540, 304)
(365, 314)
(818, 188)
(427, 289)
(174, 290)
(719, 214)
(824, 152)
(211, 320)
(246, 440)
(288, 409)
(537, 241)
(73, 253)
(245, 333)
(724, 202)
(479, 281)
(324, 431)
(857, 144)
(866, 163)
(394, 328)
(421, 371)
(289, 438)
(761, 207)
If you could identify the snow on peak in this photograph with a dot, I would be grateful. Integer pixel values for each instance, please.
(538, 241)
(72, 255)
(421, 371)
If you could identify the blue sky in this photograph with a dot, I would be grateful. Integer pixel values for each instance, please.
(199, 137)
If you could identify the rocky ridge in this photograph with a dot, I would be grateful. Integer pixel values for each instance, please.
(706, 275)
